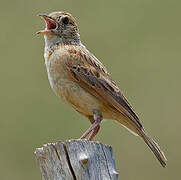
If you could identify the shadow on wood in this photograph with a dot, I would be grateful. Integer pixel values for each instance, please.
(76, 160)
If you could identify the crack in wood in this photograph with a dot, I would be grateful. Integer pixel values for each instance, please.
(69, 163)
(53, 145)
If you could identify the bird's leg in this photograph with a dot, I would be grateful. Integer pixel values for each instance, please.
(95, 126)
(94, 132)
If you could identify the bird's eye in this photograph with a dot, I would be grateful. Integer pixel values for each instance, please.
(65, 20)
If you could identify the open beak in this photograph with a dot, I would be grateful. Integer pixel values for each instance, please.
(50, 24)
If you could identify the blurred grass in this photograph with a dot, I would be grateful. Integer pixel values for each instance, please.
(138, 41)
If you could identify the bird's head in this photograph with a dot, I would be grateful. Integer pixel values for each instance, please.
(60, 26)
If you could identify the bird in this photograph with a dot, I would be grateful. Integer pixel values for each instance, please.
(83, 82)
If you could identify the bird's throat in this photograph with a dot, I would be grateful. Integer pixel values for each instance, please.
(54, 40)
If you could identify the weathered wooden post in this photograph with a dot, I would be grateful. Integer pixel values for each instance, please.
(76, 160)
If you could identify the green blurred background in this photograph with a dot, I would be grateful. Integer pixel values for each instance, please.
(139, 41)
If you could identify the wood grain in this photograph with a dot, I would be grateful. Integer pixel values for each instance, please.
(76, 160)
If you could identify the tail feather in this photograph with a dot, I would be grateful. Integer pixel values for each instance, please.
(154, 148)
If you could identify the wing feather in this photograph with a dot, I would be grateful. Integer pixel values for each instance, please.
(93, 77)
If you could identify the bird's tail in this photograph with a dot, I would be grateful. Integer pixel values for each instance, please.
(154, 148)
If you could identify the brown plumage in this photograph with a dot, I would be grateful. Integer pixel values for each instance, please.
(81, 80)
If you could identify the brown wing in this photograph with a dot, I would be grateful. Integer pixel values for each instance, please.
(90, 74)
